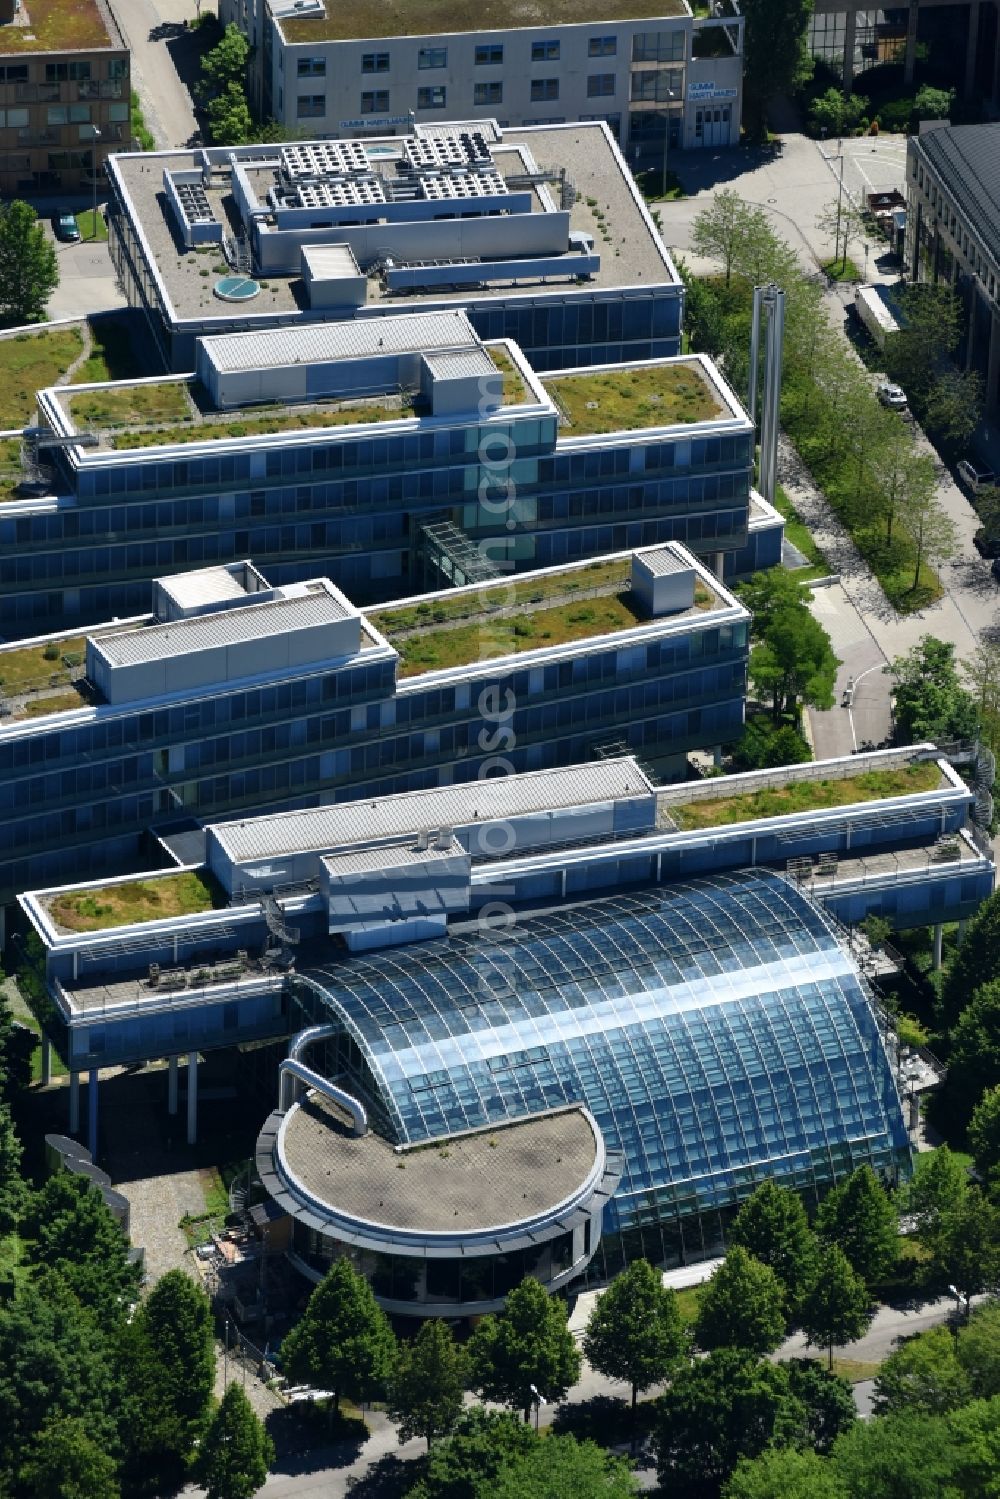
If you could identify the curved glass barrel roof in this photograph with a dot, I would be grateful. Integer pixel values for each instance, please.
(717, 1030)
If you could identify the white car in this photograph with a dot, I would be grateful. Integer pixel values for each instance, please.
(893, 396)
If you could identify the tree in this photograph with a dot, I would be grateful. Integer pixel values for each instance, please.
(793, 661)
(775, 56)
(859, 1217)
(976, 964)
(843, 221)
(527, 1344)
(773, 1227)
(931, 529)
(975, 1436)
(29, 270)
(227, 62)
(742, 1306)
(933, 103)
(177, 1319)
(768, 593)
(978, 1350)
(236, 1452)
(229, 118)
(909, 1456)
(837, 1307)
(929, 701)
(762, 746)
(938, 1185)
(929, 331)
(563, 1468)
(64, 1462)
(967, 1250)
(827, 1399)
(156, 1441)
(635, 1331)
(76, 1235)
(343, 1341)
(982, 669)
(428, 1383)
(953, 407)
(837, 113)
(922, 1374)
(974, 1063)
(897, 467)
(984, 1135)
(11, 1185)
(784, 1473)
(469, 1463)
(720, 230)
(720, 1408)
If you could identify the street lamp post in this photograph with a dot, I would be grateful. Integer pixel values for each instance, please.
(539, 1401)
(95, 137)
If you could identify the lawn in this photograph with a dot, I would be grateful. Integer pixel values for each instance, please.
(29, 362)
(10, 467)
(125, 405)
(622, 401)
(841, 270)
(515, 392)
(87, 221)
(112, 355)
(613, 576)
(152, 899)
(796, 530)
(280, 420)
(58, 26)
(52, 702)
(651, 185)
(33, 667)
(807, 796)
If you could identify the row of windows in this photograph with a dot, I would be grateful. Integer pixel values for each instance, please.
(489, 55)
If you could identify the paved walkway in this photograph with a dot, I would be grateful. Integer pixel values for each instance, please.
(157, 38)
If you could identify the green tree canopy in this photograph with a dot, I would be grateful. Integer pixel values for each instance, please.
(721, 230)
(836, 112)
(527, 1344)
(974, 1062)
(177, 1320)
(720, 1408)
(978, 1350)
(907, 1456)
(230, 122)
(156, 1440)
(773, 1227)
(975, 1434)
(77, 1236)
(563, 1468)
(938, 1186)
(12, 1188)
(922, 1374)
(977, 961)
(966, 1253)
(742, 1306)
(427, 1384)
(468, 1464)
(64, 1462)
(635, 1332)
(775, 56)
(837, 1308)
(227, 61)
(984, 1135)
(785, 1473)
(343, 1341)
(827, 1399)
(859, 1217)
(929, 701)
(29, 269)
(236, 1451)
(794, 662)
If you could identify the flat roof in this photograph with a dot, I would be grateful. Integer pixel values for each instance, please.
(631, 396)
(317, 828)
(472, 1182)
(58, 26)
(186, 636)
(633, 255)
(323, 343)
(393, 856)
(664, 561)
(206, 585)
(383, 18)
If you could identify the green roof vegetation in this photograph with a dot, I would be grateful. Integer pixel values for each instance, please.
(508, 618)
(57, 26)
(29, 362)
(10, 467)
(33, 668)
(276, 419)
(377, 18)
(515, 391)
(121, 405)
(112, 353)
(61, 701)
(152, 899)
(623, 400)
(807, 796)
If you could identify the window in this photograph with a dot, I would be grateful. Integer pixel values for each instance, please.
(600, 85)
(657, 87)
(488, 93)
(14, 73)
(432, 57)
(118, 112)
(375, 102)
(602, 46)
(658, 46)
(312, 67)
(79, 114)
(118, 67)
(62, 72)
(17, 117)
(309, 106)
(374, 62)
(57, 114)
(489, 57)
(545, 52)
(544, 88)
(431, 98)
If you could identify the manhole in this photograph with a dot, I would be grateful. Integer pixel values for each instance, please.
(236, 288)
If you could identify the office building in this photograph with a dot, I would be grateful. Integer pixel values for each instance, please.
(953, 234)
(393, 456)
(540, 234)
(234, 696)
(958, 42)
(656, 73)
(584, 1015)
(64, 95)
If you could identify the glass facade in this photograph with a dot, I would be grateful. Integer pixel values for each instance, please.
(352, 508)
(716, 1030)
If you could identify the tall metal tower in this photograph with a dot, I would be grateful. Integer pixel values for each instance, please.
(768, 301)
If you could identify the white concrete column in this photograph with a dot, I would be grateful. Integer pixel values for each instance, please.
(718, 564)
(192, 1130)
(92, 1113)
(938, 939)
(46, 1060)
(172, 1086)
(74, 1102)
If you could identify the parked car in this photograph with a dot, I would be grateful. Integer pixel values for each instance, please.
(995, 569)
(893, 396)
(65, 227)
(986, 543)
(975, 475)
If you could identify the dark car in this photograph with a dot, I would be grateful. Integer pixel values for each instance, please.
(995, 569)
(65, 227)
